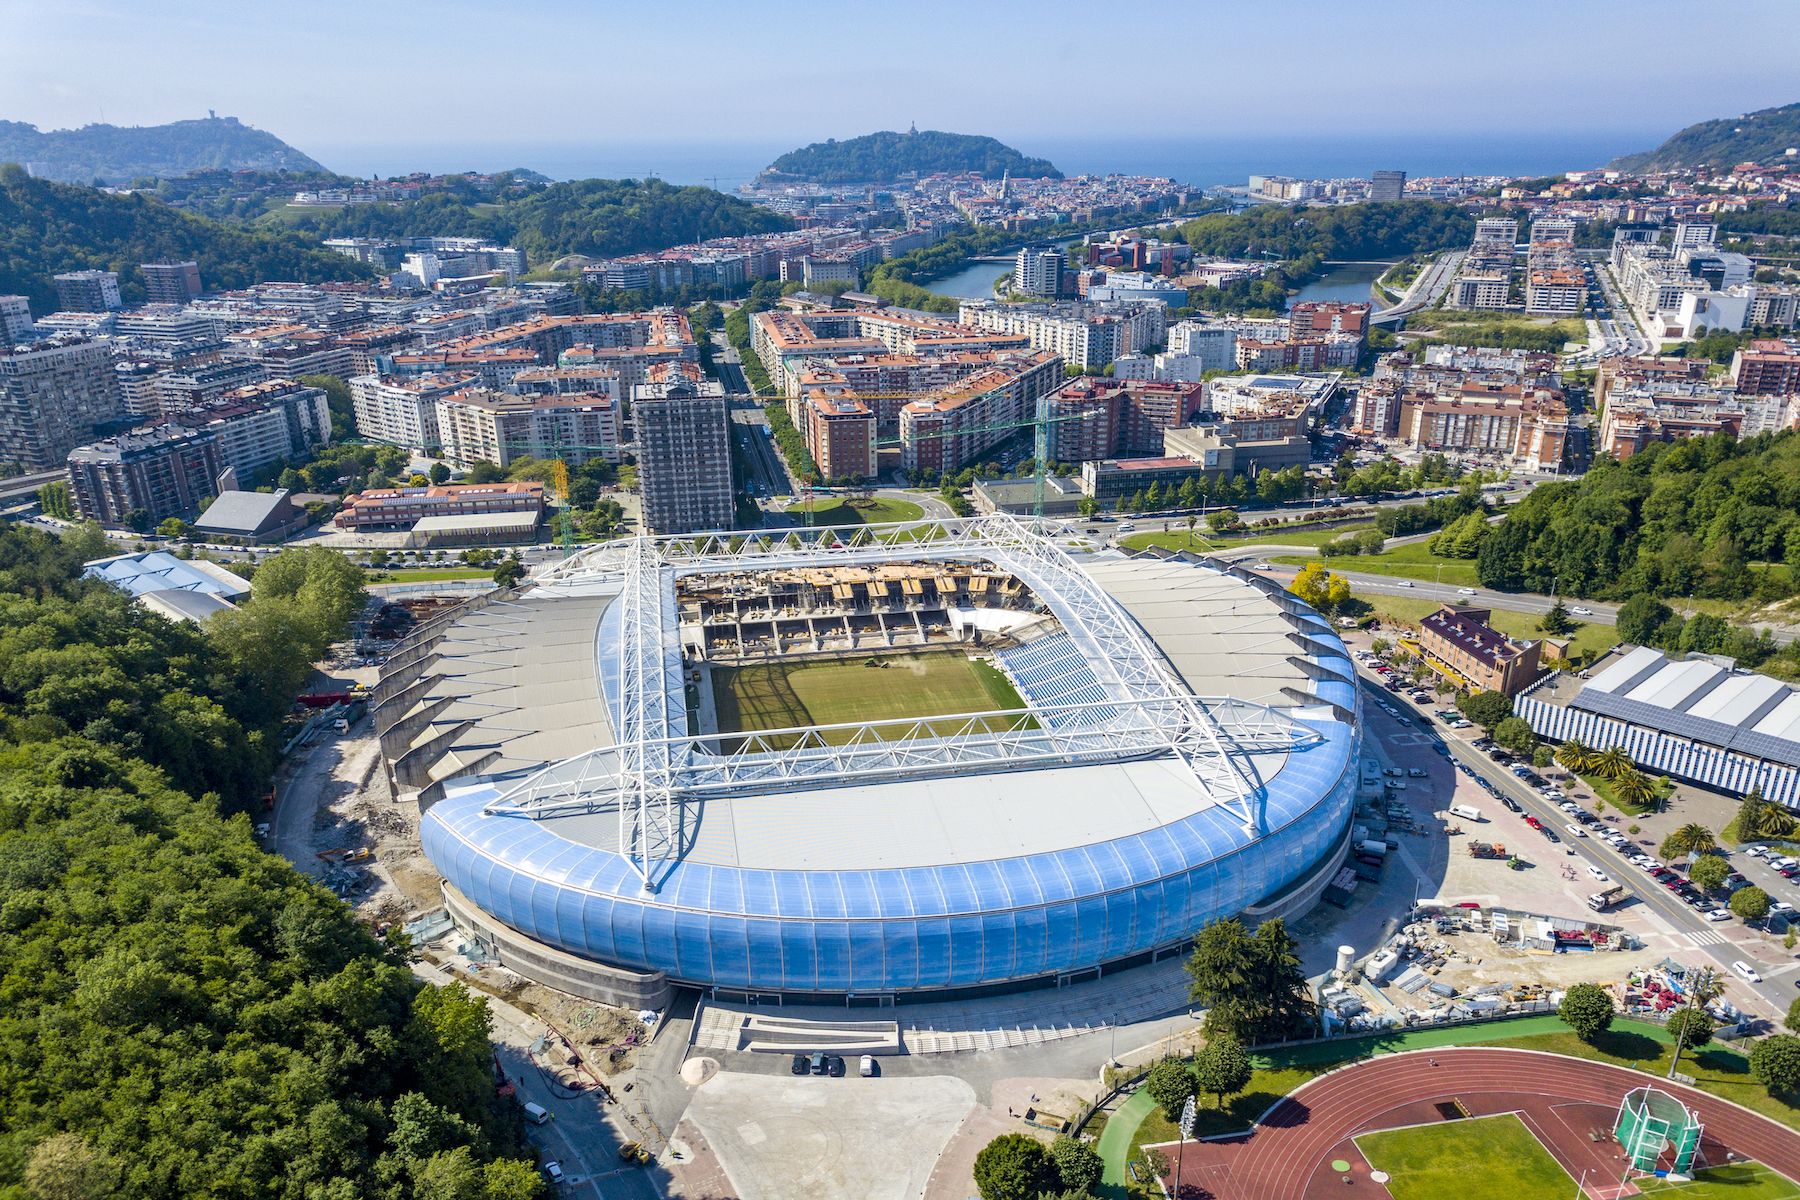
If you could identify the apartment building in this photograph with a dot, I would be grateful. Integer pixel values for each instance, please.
(839, 429)
(955, 427)
(1767, 367)
(789, 343)
(87, 291)
(401, 411)
(258, 426)
(54, 395)
(171, 282)
(481, 424)
(1212, 343)
(1503, 404)
(1387, 185)
(684, 457)
(1093, 418)
(1458, 643)
(1483, 289)
(1499, 230)
(137, 479)
(15, 321)
(1083, 334)
(205, 384)
(1038, 271)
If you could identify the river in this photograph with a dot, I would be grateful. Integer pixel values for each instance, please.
(1343, 281)
(976, 281)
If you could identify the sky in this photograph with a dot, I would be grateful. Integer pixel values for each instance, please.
(330, 76)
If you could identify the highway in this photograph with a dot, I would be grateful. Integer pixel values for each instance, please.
(1429, 284)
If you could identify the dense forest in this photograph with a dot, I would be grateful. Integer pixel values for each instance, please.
(1687, 519)
(1761, 136)
(885, 156)
(601, 218)
(47, 228)
(185, 1014)
(1376, 230)
(114, 153)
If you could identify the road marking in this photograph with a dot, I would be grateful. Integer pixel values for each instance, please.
(1704, 937)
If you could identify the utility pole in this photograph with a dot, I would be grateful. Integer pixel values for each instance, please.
(1701, 978)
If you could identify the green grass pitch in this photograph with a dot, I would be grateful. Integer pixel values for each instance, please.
(833, 691)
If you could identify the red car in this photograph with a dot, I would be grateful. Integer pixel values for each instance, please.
(1533, 822)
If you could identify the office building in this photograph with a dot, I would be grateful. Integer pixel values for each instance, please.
(137, 479)
(684, 457)
(87, 291)
(171, 282)
(1387, 185)
(54, 395)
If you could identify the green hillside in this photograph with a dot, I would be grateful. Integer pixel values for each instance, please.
(47, 228)
(885, 156)
(117, 154)
(599, 217)
(1762, 136)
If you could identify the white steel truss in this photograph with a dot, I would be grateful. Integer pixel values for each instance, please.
(655, 764)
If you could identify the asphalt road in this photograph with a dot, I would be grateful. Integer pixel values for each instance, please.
(1589, 850)
(1430, 283)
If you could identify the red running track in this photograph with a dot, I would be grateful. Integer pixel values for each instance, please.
(1298, 1136)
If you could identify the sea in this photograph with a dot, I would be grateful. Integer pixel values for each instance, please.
(1204, 161)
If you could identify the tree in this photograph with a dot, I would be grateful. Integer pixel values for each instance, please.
(1557, 621)
(1708, 872)
(64, 1166)
(1750, 903)
(1171, 1085)
(1587, 1009)
(1486, 709)
(1634, 788)
(173, 527)
(1284, 1004)
(1691, 1028)
(1078, 1165)
(1014, 1167)
(1612, 763)
(483, 471)
(1793, 1016)
(1776, 1063)
(439, 473)
(1642, 618)
(509, 573)
(1690, 837)
(1320, 588)
(1574, 756)
(1222, 1068)
(54, 498)
(1516, 735)
(1542, 757)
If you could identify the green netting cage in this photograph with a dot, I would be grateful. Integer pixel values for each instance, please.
(1659, 1132)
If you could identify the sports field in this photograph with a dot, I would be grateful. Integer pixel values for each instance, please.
(1488, 1158)
(833, 691)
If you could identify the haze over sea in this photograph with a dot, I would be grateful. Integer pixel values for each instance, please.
(1203, 161)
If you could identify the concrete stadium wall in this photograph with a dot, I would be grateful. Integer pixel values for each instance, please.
(555, 968)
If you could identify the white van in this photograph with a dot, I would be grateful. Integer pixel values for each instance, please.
(1467, 812)
(537, 1114)
(867, 1067)
(1746, 971)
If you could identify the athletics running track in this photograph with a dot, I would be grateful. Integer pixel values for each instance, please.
(1564, 1101)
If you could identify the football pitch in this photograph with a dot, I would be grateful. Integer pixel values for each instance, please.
(834, 691)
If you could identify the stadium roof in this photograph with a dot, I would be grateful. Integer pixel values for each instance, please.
(160, 571)
(1699, 698)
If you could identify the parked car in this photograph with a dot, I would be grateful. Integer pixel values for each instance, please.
(801, 1066)
(1745, 971)
(553, 1173)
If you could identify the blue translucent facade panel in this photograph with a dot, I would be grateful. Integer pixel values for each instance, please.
(967, 966)
(824, 893)
(868, 955)
(730, 948)
(1023, 886)
(988, 885)
(891, 893)
(958, 890)
(727, 894)
(791, 896)
(902, 952)
(799, 958)
(1000, 934)
(859, 894)
(934, 951)
(659, 937)
(926, 892)
(764, 949)
(759, 893)
(833, 941)
(1031, 956)
(693, 945)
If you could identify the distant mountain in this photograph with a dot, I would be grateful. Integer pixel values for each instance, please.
(885, 156)
(1762, 136)
(118, 154)
(49, 227)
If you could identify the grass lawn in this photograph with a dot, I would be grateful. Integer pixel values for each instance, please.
(1739, 1181)
(1409, 561)
(873, 511)
(431, 574)
(1590, 639)
(833, 691)
(1717, 1070)
(1487, 1158)
(1177, 539)
(1603, 788)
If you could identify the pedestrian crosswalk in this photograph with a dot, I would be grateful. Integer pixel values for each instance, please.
(1705, 937)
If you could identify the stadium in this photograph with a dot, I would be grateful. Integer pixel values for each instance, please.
(870, 764)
